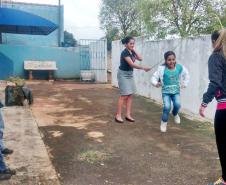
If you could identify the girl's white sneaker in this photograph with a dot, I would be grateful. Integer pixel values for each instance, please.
(177, 119)
(163, 126)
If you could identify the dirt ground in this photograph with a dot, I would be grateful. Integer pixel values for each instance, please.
(87, 147)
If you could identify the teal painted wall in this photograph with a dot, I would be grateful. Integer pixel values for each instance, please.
(49, 12)
(18, 48)
(6, 66)
(67, 59)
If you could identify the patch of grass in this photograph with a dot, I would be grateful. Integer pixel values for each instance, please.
(204, 128)
(93, 157)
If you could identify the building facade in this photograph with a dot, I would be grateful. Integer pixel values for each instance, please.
(53, 13)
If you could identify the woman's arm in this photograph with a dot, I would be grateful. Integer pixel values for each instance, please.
(138, 56)
(215, 68)
(133, 65)
(215, 77)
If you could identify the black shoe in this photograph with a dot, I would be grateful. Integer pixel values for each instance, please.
(5, 176)
(118, 121)
(8, 171)
(7, 151)
(130, 120)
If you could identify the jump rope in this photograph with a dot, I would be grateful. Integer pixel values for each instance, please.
(162, 60)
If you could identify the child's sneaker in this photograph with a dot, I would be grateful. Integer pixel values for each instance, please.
(163, 126)
(220, 181)
(177, 119)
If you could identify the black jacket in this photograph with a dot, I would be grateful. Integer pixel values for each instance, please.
(217, 77)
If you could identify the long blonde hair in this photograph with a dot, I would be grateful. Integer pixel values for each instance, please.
(221, 42)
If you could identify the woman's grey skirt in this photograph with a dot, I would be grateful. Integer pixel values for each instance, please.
(126, 82)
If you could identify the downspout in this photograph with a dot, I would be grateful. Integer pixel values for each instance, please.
(0, 31)
(59, 22)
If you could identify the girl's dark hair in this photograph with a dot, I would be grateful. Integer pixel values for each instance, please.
(127, 39)
(215, 35)
(168, 53)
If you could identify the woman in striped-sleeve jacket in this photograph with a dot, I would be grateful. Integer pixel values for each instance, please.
(217, 89)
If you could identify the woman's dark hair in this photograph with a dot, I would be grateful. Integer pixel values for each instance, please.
(215, 35)
(127, 39)
(169, 53)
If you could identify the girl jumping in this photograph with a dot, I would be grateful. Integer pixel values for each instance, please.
(171, 77)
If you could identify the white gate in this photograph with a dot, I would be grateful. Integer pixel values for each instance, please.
(93, 56)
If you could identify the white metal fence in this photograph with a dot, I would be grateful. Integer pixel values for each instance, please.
(93, 56)
(191, 52)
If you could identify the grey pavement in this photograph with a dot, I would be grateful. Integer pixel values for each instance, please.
(30, 157)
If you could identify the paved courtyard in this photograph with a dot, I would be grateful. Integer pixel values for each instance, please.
(87, 147)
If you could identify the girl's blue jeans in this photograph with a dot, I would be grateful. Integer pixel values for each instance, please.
(167, 99)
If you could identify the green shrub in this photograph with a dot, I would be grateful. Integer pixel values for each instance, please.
(17, 80)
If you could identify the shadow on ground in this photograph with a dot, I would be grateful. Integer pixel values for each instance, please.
(86, 146)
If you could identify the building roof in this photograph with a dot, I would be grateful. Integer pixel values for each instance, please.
(25, 3)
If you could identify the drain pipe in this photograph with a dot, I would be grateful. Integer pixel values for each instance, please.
(59, 22)
(0, 31)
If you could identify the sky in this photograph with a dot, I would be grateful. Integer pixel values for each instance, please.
(80, 17)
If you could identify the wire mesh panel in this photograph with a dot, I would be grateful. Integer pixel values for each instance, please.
(93, 56)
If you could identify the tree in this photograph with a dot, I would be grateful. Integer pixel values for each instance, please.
(181, 17)
(122, 15)
(218, 15)
(112, 34)
(69, 40)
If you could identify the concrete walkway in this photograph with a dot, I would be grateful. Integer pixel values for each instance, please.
(30, 157)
